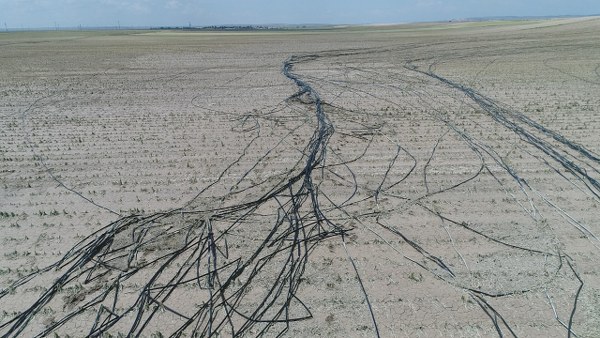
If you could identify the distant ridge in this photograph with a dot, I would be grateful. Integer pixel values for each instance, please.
(503, 18)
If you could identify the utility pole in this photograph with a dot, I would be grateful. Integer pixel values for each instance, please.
(119, 24)
(5, 26)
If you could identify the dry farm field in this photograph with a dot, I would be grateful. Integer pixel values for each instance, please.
(423, 180)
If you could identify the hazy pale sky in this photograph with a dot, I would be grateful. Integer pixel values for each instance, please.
(72, 13)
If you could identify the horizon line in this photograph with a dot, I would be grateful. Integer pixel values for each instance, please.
(119, 26)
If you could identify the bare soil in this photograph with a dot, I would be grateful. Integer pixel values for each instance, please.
(431, 180)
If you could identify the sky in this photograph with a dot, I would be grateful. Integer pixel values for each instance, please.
(95, 13)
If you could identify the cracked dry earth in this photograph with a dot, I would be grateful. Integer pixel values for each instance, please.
(430, 180)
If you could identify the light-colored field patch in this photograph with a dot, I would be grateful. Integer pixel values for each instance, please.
(409, 181)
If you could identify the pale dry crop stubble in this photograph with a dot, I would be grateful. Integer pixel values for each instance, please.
(431, 180)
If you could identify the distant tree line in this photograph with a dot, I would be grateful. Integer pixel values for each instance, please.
(217, 28)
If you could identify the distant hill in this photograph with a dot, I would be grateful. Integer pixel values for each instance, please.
(500, 18)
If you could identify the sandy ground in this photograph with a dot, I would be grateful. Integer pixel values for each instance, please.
(432, 180)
